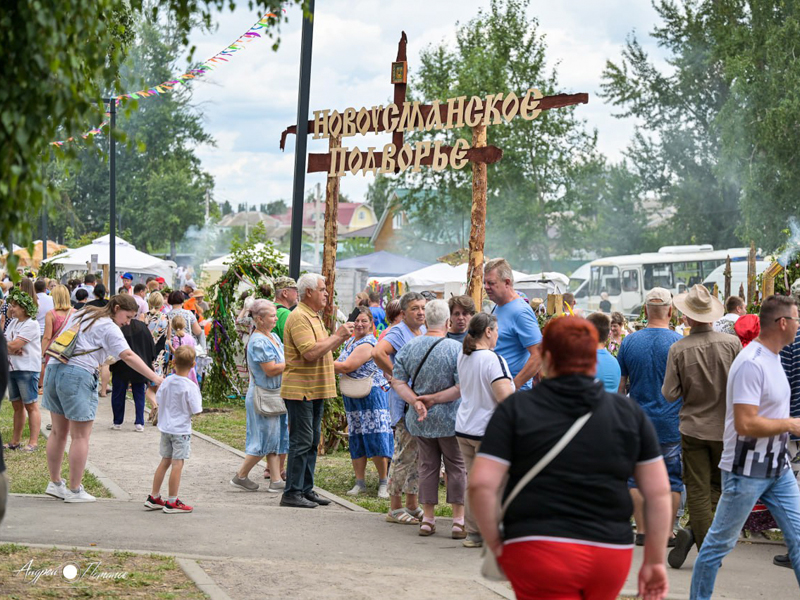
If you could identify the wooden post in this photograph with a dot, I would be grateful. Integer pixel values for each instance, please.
(768, 279)
(751, 274)
(331, 234)
(728, 276)
(741, 292)
(477, 232)
(109, 292)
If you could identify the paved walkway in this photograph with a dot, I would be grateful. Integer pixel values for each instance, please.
(252, 548)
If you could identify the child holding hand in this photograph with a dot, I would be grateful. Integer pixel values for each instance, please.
(178, 399)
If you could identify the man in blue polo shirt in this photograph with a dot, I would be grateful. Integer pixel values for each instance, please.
(517, 328)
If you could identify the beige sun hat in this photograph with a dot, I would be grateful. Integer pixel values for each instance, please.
(698, 304)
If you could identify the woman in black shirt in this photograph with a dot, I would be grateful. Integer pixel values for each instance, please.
(568, 533)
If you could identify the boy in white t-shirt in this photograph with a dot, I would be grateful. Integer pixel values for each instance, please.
(25, 358)
(178, 399)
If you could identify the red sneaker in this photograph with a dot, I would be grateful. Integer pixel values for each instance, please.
(176, 507)
(154, 503)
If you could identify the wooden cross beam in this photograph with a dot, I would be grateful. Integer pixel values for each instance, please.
(475, 115)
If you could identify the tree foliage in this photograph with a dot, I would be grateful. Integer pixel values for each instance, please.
(719, 138)
(60, 60)
(501, 50)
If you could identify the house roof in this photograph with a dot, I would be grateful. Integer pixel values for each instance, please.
(250, 218)
(345, 213)
(382, 264)
(365, 232)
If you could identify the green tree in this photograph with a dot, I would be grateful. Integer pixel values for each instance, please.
(226, 208)
(379, 193)
(680, 155)
(159, 180)
(502, 50)
(76, 47)
(276, 207)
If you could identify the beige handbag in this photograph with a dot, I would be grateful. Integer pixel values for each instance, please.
(490, 569)
(268, 403)
(355, 388)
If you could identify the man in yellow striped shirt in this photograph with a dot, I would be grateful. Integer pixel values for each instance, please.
(308, 381)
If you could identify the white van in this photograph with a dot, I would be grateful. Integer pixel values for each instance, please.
(579, 285)
(738, 277)
(627, 279)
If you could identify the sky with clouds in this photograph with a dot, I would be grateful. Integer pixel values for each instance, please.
(249, 101)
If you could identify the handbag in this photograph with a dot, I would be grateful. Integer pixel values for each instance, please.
(490, 569)
(268, 403)
(355, 388)
(63, 347)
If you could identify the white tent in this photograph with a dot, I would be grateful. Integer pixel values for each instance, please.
(438, 277)
(127, 259)
(214, 269)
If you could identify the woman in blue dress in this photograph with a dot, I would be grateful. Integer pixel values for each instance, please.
(368, 420)
(266, 436)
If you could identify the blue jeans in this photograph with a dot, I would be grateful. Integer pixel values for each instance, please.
(739, 494)
(119, 386)
(305, 427)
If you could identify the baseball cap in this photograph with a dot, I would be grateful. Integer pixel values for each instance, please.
(161, 280)
(127, 276)
(658, 296)
(283, 282)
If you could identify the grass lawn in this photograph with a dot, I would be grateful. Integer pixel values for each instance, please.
(27, 471)
(96, 575)
(227, 423)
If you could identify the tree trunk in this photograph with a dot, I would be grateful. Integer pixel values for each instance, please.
(331, 233)
(172, 250)
(477, 233)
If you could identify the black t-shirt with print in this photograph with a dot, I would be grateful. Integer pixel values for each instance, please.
(582, 494)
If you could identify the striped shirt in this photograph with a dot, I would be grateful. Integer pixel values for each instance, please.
(304, 380)
(790, 358)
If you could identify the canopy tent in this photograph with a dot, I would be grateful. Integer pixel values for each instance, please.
(382, 264)
(35, 261)
(214, 269)
(127, 259)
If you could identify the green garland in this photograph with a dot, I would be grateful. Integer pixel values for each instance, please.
(255, 267)
(17, 296)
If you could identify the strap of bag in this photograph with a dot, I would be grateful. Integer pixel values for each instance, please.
(546, 460)
(424, 358)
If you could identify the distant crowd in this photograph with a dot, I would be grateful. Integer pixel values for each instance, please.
(546, 442)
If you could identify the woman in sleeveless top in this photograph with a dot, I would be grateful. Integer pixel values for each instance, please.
(54, 323)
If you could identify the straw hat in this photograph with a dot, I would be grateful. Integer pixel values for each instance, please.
(699, 305)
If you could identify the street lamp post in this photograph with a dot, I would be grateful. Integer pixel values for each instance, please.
(112, 225)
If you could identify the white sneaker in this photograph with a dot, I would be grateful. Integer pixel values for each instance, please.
(80, 496)
(357, 491)
(116, 427)
(139, 428)
(383, 491)
(57, 490)
(276, 487)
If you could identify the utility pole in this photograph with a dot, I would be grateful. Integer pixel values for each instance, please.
(207, 197)
(112, 224)
(302, 143)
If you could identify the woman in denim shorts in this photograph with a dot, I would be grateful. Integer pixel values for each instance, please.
(70, 389)
(25, 358)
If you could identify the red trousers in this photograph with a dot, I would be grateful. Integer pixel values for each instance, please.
(548, 570)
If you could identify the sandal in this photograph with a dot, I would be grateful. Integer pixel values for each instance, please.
(417, 513)
(427, 528)
(266, 473)
(459, 531)
(154, 416)
(10, 446)
(29, 448)
(401, 516)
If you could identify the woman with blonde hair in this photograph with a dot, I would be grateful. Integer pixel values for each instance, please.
(266, 436)
(54, 323)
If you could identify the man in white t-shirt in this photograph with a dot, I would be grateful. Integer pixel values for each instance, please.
(734, 308)
(755, 462)
(45, 303)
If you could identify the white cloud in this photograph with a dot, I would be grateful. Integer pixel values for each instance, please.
(250, 100)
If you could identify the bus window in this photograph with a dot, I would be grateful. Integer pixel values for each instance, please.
(687, 273)
(658, 275)
(630, 281)
(605, 279)
(710, 265)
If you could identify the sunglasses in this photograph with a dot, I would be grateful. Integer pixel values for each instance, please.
(795, 319)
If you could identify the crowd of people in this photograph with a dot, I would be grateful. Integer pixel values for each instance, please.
(547, 441)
